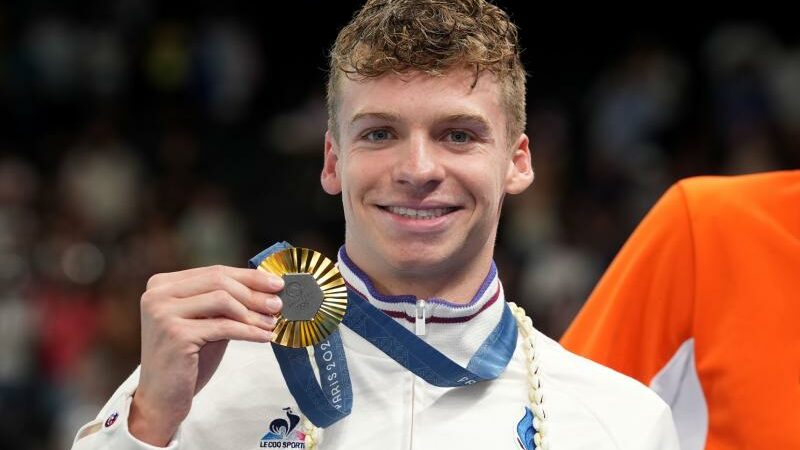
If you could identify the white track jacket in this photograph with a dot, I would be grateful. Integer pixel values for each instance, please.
(246, 404)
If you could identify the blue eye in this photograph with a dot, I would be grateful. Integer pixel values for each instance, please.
(459, 137)
(378, 135)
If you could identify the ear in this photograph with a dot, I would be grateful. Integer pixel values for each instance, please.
(329, 178)
(520, 168)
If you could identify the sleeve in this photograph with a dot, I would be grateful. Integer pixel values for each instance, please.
(662, 435)
(110, 427)
(640, 314)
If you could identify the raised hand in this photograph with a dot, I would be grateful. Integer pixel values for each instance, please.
(188, 317)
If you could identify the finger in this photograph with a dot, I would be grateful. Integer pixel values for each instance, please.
(259, 280)
(219, 281)
(220, 304)
(218, 329)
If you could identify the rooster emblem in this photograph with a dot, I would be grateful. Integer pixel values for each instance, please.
(280, 429)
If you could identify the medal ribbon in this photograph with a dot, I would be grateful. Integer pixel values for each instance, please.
(331, 400)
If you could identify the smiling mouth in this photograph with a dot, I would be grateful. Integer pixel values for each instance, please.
(420, 214)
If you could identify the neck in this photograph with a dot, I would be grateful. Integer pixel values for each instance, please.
(457, 288)
(454, 283)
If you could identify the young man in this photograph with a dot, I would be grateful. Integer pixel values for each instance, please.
(702, 304)
(426, 104)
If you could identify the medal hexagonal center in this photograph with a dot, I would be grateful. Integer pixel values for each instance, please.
(301, 296)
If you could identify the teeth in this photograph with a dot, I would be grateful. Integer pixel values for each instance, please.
(418, 213)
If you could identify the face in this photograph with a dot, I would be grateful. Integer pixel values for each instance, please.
(423, 164)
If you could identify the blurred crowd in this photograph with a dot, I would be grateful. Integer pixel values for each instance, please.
(144, 141)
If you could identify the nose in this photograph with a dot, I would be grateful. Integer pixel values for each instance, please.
(418, 167)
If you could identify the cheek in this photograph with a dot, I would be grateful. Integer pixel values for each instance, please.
(354, 180)
(364, 171)
(482, 180)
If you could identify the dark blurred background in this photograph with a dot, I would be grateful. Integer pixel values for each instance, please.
(140, 137)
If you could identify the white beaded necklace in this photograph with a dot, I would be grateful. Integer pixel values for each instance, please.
(313, 438)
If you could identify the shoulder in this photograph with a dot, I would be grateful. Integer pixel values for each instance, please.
(632, 415)
(761, 204)
(582, 375)
(721, 195)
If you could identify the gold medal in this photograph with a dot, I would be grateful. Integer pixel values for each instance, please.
(314, 296)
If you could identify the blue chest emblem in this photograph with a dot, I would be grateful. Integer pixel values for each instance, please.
(525, 431)
(284, 433)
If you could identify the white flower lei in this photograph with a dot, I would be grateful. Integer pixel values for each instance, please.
(313, 438)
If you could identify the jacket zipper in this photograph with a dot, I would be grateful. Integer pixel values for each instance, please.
(420, 317)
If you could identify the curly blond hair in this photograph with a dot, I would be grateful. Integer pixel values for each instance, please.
(430, 36)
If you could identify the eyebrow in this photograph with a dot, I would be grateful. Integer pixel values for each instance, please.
(474, 119)
(389, 117)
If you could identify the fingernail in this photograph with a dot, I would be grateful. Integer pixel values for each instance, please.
(268, 320)
(276, 282)
(274, 303)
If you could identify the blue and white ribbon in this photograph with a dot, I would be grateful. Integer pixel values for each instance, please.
(330, 398)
